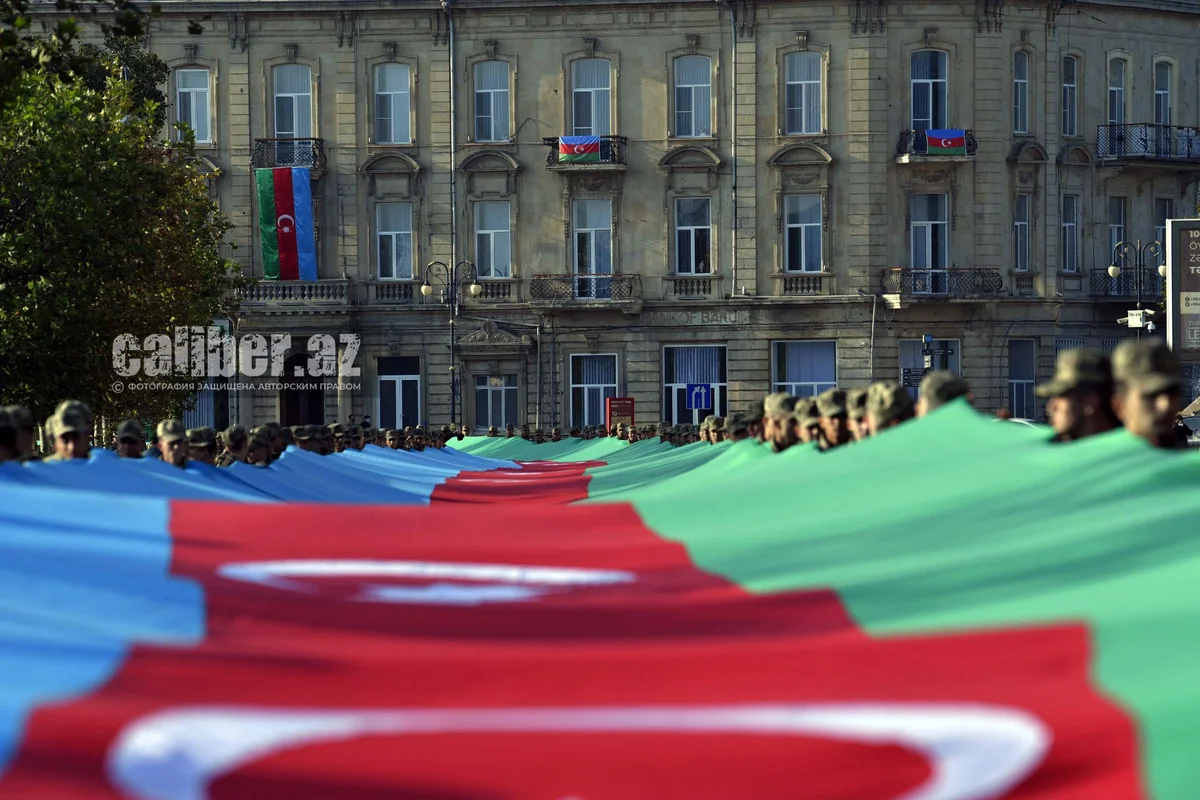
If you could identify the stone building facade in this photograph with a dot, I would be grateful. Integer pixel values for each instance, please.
(766, 212)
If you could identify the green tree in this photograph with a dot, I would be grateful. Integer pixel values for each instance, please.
(145, 72)
(104, 230)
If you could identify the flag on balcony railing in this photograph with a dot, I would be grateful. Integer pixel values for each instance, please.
(285, 219)
(946, 142)
(577, 149)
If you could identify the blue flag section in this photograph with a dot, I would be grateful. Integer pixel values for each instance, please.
(306, 238)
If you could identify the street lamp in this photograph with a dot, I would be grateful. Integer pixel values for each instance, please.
(1124, 251)
(451, 278)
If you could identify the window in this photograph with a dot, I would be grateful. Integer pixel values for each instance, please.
(693, 232)
(929, 92)
(804, 369)
(1022, 374)
(1021, 233)
(495, 401)
(1020, 92)
(1065, 343)
(491, 101)
(191, 102)
(593, 380)
(1162, 93)
(1116, 221)
(293, 101)
(1070, 96)
(591, 97)
(802, 233)
(912, 356)
(493, 240)
(1070, 233)
(394, 233)
(929, 243)
(693, 97)
(399, 391)
(1164, 209)
(702, 365)
(591, 225)
(392, 104)
(1116, 91)
(1108, 345)
(802, 94)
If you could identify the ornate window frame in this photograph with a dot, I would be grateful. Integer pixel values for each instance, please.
(192, 60)
(492, 162)
(1173, 85)
(801, 168)
(1023, 46)
(1074, 164)
(1127, 89)
(693, 48)
(591, 50)
(953, 65)
(408, 190)
(490, 53)
(367, 101)
(934, 180)
(1080, 93)
(268, 87)
(802, 44)
(1027, 167)
(593, 186)
(681, 164)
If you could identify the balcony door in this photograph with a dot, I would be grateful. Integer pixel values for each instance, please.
(591, 223)
(399, 391)
(591, 97)
(495, 401)
(929, 90)
(929, 242)
(1162, 110)
(293, 114)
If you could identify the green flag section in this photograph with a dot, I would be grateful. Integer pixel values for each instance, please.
(952, 524)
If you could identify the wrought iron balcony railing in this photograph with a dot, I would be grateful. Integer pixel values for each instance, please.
(581, 288)
(956, 282)
(916, 143)
(1125, 285)
(1147, 142)
(611, 153)
(288, 153)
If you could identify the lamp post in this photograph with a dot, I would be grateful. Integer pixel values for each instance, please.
(451, 278)
(1124, 251)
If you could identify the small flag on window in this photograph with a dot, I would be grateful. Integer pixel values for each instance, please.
(947, 142)
(576, 149)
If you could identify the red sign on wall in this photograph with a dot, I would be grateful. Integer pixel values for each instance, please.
(618, 410)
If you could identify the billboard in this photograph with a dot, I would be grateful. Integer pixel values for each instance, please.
(1183, 288)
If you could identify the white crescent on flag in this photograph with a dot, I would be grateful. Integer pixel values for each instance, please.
(580, 149)
(282, 217)
(975, 752)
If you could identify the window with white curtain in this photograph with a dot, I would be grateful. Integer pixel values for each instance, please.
(1022, 375)
(593, 380)
(1070, 96)
(493, 239)
(392, 104)
(491, 101)
(1070, 233)
(1021, 213)
(804, 369)
(191, 102)
(495, 401)
(293, 101)
(591, 97)
(693, 365)
(802, 233)
(395, 238)
(693, 236)
(929, 242)
(929, 90)
(693, 97)
(802, 94)
(591, 230)
(1020, 92)
(912, 356)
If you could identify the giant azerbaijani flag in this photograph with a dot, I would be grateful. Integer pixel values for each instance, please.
(955, 610)
(285, 222)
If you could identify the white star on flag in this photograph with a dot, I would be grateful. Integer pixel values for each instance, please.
(287, 229)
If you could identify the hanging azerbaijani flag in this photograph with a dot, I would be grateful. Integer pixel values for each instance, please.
(946, 142)
(578, 149)
(285, 217)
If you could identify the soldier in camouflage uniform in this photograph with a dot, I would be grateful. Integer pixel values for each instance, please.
(172, 442)
(888, 404)
(806, 420)
(72, 431)
(22, 422)
(202, 445)
(1148, 393)
(778, 427)
(131, 439)
(939, 388)
(834, 421)
(237, 442)
(856, 413)
(258, 449)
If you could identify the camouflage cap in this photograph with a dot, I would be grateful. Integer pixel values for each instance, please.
(889, 401)
(447, 429)
(856, 403)
(324, 431)
(492, 429)
(171, 430)
(942, 386)
(337, 429)
(779, 404)
(260, 438)
(832, 403)
(71, 416)
(408, 430)
(806, 413)
(273, 426)
(537, 431)
(131, 429)
(77, 407)
(1147, 366)
(735, 423)
(353, 431)
(1076, 369)
(285, 434)
(390, 435)
(718, 423)
(235, 436)
(302, 433)
(201, 437)
(708, 422)
(20, 417)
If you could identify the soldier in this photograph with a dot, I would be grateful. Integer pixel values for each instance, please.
(407, 439)
(274, 432)
(22, 422)
(735, 428)
(556, 434)
(716, 433)
(202, 445)
(888, 405)
(258, 449)
(71, 428)
(777, 424)
(806, 420)
(856, 413)
(664, 434)
(131, 439)
(538, 436)
(1079, 396)
(493, 432)
(755, 427)
(172, 442)
(418, 439)
(356, 440)
(285, 438)
(525, 432)
(339, 436)
(447, 435)
(8, 437)
(509, 431)
(303, 436)
(237, 441)
(575, 433)
(939, 388)
(462, 432)
(834, 423)
(1147, 395)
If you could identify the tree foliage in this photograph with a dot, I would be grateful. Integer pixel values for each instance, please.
(145, 72)
(104, 230)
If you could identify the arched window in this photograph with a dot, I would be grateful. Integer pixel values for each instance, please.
(929, 90)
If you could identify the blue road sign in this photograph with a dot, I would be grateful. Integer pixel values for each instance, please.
(699, 396)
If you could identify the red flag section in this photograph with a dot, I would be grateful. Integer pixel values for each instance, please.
(369, 652)
(540, 481)
(285, 225)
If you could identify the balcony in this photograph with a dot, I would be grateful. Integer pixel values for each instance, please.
(269, 153)
(608, 157)
(691, 287)
(1149, 144)
(956, 282)
(499, 290)
(914, 148)
(801, 284)
(292, 297)
(388, 293)
(1125, 286)
(587, 291)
